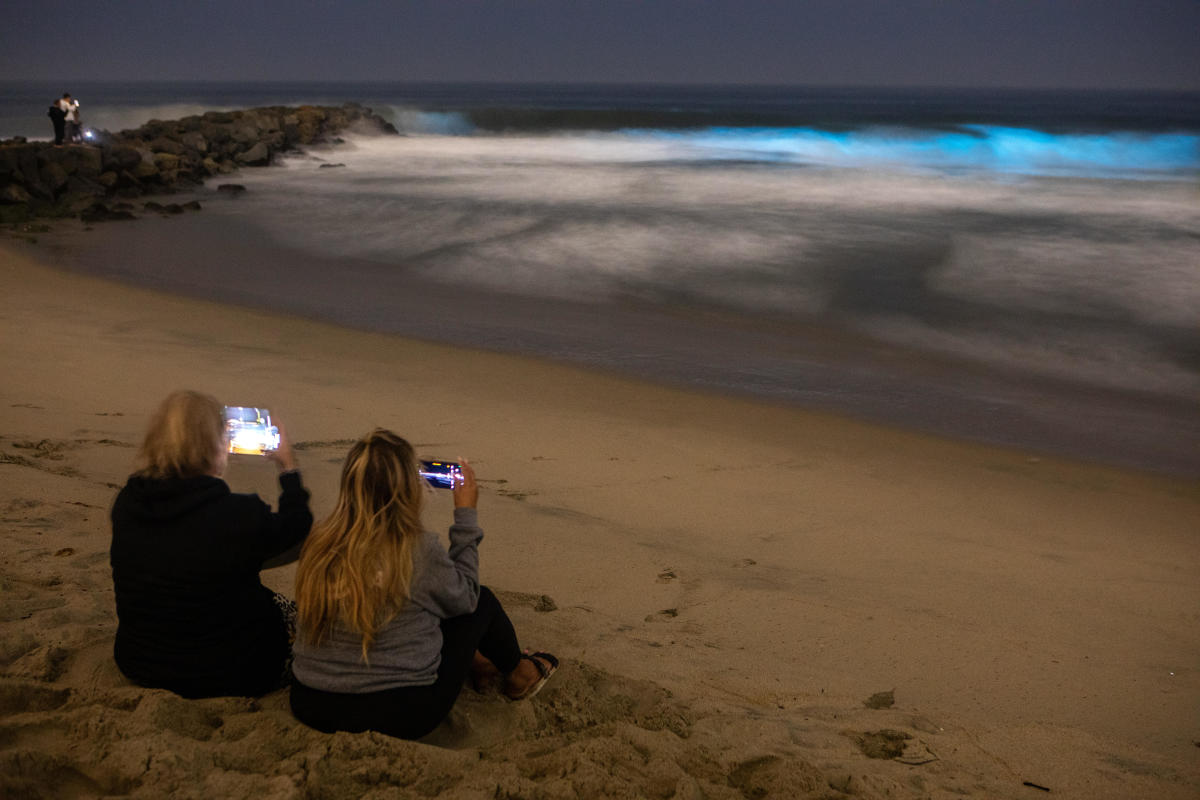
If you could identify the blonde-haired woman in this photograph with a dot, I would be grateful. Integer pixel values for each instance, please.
(192, 614)
(390, 624)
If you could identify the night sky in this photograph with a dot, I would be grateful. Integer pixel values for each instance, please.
(1106, 44)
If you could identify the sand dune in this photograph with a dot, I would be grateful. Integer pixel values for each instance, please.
(750, 601)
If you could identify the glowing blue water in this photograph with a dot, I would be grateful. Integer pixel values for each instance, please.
(974, 148)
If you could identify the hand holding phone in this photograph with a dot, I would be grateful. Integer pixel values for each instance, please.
(466, 493)
(282, 455)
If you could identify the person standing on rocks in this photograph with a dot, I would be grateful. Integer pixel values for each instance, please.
(58, 116)
(74, 133)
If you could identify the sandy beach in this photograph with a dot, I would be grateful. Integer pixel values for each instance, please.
(749, 600)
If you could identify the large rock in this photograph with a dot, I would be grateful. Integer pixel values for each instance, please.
(80, 158)
(53, 175)
(195, 141)
(145, 169)
(257, 156)
(102, 213)
(121, 157)
(245, 133)
(14, 194)
(164, 144)
(165, 162)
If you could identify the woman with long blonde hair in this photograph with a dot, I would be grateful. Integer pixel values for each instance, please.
(390, 623)
(192, 614)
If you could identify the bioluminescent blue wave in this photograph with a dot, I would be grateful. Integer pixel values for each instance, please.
(974, 147)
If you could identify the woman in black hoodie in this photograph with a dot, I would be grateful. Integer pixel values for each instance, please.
(192, 614)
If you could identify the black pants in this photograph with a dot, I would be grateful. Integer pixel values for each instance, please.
(410, 712)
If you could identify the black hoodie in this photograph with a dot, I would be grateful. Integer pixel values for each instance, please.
(192, 614)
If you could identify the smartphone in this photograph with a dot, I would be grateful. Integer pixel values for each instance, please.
(441, 474)
(249, 430)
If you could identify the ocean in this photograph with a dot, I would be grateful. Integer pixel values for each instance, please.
(1021, 268)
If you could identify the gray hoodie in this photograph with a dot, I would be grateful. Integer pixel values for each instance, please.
(407, 651)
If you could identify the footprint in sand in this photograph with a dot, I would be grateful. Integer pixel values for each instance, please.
(45, 448)
(892, 744)
(106, 442)
(34, 455)
(316, 444)
(666, 576)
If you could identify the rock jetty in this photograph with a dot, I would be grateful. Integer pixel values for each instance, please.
(96, 181)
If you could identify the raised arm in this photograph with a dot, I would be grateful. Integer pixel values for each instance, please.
(287, 528)
(454, 575)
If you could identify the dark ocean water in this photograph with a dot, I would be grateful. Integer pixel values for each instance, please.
(494, 107)
(1041, 249)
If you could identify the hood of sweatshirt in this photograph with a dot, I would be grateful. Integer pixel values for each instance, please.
(162, 499)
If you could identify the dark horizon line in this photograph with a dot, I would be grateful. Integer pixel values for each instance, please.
(612, 84)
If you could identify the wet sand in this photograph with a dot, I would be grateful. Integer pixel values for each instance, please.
(731, 584)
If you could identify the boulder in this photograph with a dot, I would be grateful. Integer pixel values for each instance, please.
(81, 184)
(121, 158)
(257, 156)
(102, 213)
(163, 144)
(14, 194)
(212, 132)
(127, 178)
(165, 162)
(71, 160)
(245, 133)
(232, 189)
(145, 170)
(18, 164)
(53, 175)
(75, 201)
(195, 141)
(85, 160)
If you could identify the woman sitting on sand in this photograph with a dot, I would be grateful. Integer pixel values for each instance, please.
(390, 624)
(192, 615)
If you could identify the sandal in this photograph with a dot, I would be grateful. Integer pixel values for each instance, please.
(539, 660)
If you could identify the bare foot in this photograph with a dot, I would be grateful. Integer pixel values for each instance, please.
(484, 675)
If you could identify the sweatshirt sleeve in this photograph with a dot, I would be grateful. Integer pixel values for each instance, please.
(286, 529)
(451, 582)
